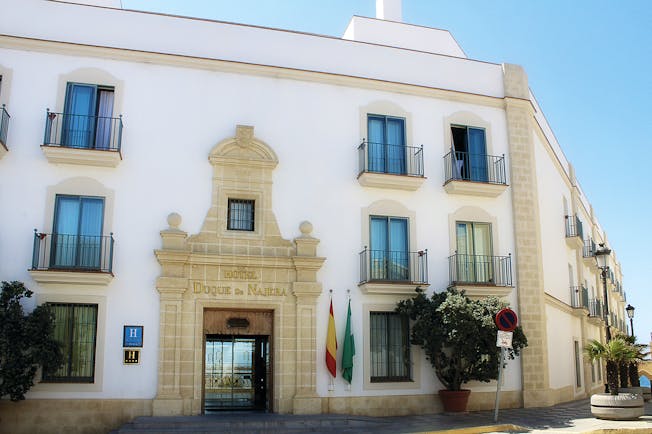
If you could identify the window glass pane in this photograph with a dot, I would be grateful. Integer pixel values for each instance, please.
(389, 345)
(241, 215)
(104, 113)
(396, 146)
(376, 143)
(75, 329)
(477, 155)
(79, 116)
(77, 237)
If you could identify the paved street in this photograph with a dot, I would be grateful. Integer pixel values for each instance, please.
(574, 417)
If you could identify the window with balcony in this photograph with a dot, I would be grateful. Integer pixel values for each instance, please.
(240, 215)
(85, 127)
(474, 263)
(389, 347)
(75, 328)
(574, 232)
(468, 167)
(76, 245)
(385, 152)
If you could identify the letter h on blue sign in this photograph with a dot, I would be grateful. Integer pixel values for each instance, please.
(132, 336)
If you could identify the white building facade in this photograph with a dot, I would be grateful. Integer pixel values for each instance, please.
(209, 186)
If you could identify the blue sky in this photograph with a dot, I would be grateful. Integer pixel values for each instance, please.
(589, 64)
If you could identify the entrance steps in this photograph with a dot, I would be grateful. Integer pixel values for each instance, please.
(252, 422)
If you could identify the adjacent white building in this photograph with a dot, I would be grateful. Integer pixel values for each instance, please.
(186, 193)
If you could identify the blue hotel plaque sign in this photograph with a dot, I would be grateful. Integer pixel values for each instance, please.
(132, 336)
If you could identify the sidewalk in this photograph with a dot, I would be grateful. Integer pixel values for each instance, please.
(573, 417)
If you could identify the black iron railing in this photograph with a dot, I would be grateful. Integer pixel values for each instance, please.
(83, 132)
(589, 248)
(474, 167)
(4, 125)
(388, 266)
(480, 269)
(595, 308)
(579, 297)
(392, 159)
(574, 227)
(63, 252)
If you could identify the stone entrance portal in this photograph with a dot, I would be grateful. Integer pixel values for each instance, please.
(221, 269)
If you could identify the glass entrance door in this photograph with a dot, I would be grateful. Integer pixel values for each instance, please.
(235, 373)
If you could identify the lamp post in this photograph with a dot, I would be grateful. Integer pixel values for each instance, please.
(630, 313)
(602, 259)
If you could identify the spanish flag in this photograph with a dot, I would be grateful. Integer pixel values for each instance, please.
(331, 345)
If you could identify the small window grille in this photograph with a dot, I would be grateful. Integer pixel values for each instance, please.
(241, 215)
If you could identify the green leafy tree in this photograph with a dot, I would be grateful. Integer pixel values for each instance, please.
(458, 335)
(615, 352)
(26, 342)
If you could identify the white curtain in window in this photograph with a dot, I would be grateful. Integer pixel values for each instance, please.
(104, 113)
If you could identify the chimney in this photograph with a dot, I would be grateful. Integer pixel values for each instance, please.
(389, 10)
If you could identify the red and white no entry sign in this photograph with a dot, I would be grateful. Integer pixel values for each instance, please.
(506, 320)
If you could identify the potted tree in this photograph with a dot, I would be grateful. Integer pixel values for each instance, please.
(614, 405)
(458, 335)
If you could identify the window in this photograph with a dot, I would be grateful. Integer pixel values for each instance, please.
(241, 215)
(389, 248)
(386, 140)
(389, 347)
(578, 365)
(75, 328)
(470, 148)
(474, 252)
(77, 235)
(87, 117)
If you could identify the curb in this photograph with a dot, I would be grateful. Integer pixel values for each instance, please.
(483, 429)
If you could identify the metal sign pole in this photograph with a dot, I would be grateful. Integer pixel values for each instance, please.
(500, 378)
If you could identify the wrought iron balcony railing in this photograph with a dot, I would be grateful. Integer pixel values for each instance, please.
(4, 125)
(574, 227)
(83, 132)
(64, 252)
(595, 308)
(589, 248)
(474, 167)
(579, 297)
(391, 159)
(480, 269)
(398, 267)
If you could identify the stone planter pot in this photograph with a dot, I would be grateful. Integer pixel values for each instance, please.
(624, 406)
(454, 400)
(647, 393)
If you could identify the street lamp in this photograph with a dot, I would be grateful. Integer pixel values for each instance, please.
(630, 314)
(602, 259)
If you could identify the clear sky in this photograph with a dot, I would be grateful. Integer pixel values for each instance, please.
(589, 64)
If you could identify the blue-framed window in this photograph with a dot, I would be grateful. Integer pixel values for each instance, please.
(77, 233)
(388, 240)
(470, 152)
(75, 328)
(386, 140)
(87, 117)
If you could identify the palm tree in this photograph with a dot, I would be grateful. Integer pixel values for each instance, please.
(614, 352)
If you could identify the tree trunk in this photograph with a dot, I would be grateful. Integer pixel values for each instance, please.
(633, 374)
(612, 377)
(623, 373)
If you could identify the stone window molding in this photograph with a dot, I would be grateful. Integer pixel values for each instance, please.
(478, 215)
(385, 108)
(83, 156)
(469, 119)
(79, 186)
(100, 343)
